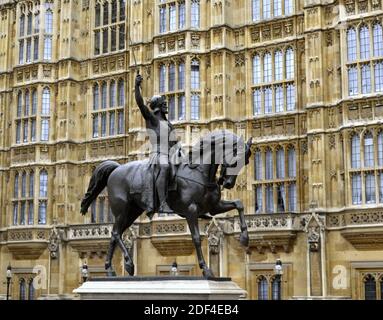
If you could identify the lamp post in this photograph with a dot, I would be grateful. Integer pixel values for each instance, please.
(278, 270)
(85, 272)
(174, 270)
(9, 277)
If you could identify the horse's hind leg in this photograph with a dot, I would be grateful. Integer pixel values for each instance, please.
(125, 214)
(108, 262)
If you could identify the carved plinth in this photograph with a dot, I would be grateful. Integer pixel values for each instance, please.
(160, 288)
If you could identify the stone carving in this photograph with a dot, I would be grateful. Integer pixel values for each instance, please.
(215, 234)
(313, 226)
(54, 242)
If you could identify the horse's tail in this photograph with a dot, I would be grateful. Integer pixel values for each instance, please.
(97, 183)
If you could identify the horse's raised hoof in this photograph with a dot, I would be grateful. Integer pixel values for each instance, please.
(244, 239)
(129, 267)
(207, 273)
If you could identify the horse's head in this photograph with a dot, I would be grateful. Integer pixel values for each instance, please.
(233, 163)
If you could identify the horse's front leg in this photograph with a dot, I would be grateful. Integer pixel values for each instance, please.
(227, 205)
(192, 219)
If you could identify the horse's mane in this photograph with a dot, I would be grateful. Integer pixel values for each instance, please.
(217, 139)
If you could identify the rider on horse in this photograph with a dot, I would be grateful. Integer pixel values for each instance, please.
(160, 130)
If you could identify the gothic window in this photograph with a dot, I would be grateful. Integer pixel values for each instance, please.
(97, 13)
(195, 74)
(45, 110)
(289, 7)
(162, 19)
(181, 107)
(105, 13)
(23, 185)
(257, 101)
(43, 184)
(370, 188)
(172, 107)
(256, 69)
(108, 121)
(266, 9)
(31, 290)
(370, 288)
(93, 215)
(290, 63)
(276, 291)
(181, 15)
(351, 44)
(269, 199)
(279, 100)
(172, 77)
(292, 191)
(263, 288)
(22, 25)
(258, 165)
(15, 213)
(291, 163)
(356, 189)
(378, 71)
(381, 188)
(268, 100)
(162, 78)
(280, 164)
(48, 21)
(172, 17)
(281, 198)
(181, 76)
(269, 165)
(352, 81)
(22, 290)
(42, 212)
(47, 47)
(100, 209)
(195, 14)
(380, 148)
(114, 11)
(364, 40)
(378, 40)
(368, 150)
(16, 187)
(195, 104)
(122, 10)
(97, 39)
(366, 78)
(34, 102)
(267, 69)
(258, 199)
(278, 65)
(355, 151)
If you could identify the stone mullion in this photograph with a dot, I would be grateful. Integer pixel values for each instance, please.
(187, 14)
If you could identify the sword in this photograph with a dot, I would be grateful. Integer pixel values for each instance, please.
(134, 56)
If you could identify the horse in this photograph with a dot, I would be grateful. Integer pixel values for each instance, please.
(197, 191)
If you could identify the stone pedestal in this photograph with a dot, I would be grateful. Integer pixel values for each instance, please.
(160, 288)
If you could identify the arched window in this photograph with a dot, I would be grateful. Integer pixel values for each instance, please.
(45, 110)
(194, 74)
(181, 76)
(256, 10)
(22, 25)
(352, 81)
(23, 185)
(43, 184)
(31, 184)
(29, 24)
(121, 93)
(292, 189)
(172, 107)
(194, 105)
(15, 213)
(19, 103)
(48, 21)
(97, 15)
(380, 148)
(351, 44)
(162, 19)
(256, 69)
(122, 10)
(181, 15)
(292, 163)
(355, 151)
(27, 103)
(195, 19)
(105, 13)
(114, 11)
(277, 8)
(22, 290)
(181, 107)
(276, 289)
(263, 288)
(34, 102)
(162, 78)
(172, 77)
(31, 290)
(96, 95)
(266, 9)
(289, 63)
(172, 17)
(258, 165)
(112, 94)
(280, 163)
(268, 100)
(370, 188)
(378, 72)
(279, 99)
(269, 165)
(37, 22)
(366, 78)
(368, 150)
(16, 186)
(281, 198)
(267, 68)
(103, 95)
(257, 101)
(378, 40)
(112, 120)
(278, 65)
(258, 199)
(364, 40)
(369, 287)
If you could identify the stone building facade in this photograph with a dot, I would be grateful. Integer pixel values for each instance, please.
(304, 78)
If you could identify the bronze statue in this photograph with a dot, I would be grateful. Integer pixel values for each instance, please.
(196, 191)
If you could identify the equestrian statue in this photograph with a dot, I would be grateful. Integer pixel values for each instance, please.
(170, 181)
